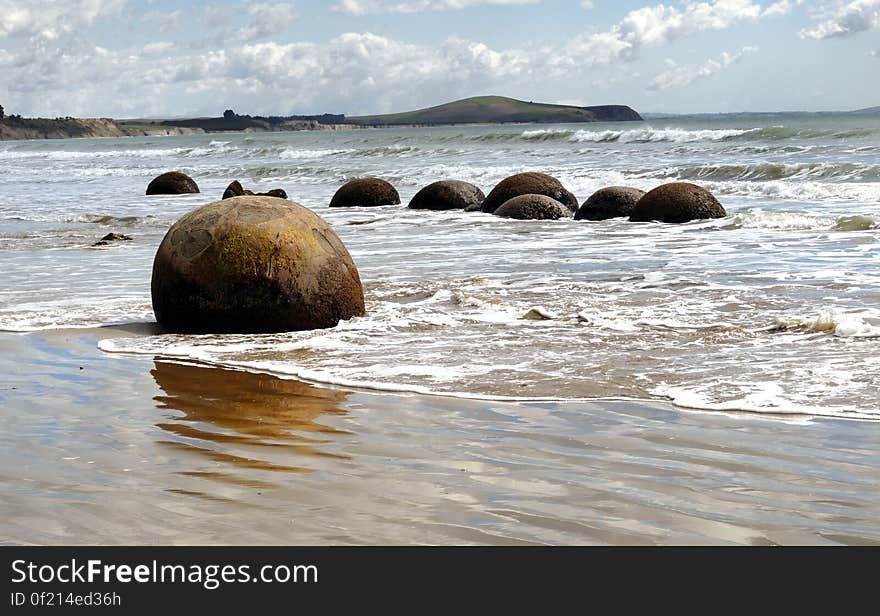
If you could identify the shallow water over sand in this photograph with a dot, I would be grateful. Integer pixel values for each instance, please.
(115, 450)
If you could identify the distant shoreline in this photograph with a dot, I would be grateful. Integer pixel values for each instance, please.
(476, 111)
(94, 128)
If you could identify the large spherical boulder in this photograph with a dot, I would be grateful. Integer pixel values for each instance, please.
(529, 184)
(611, 202)
(677, 202)
(253, 264)
(172, 183)
(365, 192)
(447, 195)
(533, 207)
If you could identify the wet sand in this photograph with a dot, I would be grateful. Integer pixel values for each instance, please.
(114, 449)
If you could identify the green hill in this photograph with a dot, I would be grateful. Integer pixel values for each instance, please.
(497, 110)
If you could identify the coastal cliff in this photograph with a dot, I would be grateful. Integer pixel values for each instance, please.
(14, 128)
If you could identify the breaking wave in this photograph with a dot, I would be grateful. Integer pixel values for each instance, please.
(843, 172)
(757, 218)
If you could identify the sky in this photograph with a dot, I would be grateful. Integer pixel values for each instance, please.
(130, 59)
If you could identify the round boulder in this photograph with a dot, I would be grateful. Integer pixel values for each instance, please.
(611, 202)
(172, 183)
(533, 207)
(447, 195)
(253, 264)
(677, 202)
(365, 192)
(529, 184)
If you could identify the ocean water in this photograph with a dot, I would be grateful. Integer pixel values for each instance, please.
(774, 309)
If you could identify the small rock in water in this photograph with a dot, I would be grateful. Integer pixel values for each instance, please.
(235, 189)
(112, 237)
(539, 313)
(366, 222)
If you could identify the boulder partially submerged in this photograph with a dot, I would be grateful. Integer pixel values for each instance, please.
(365, 192)
(610, 202)
(235, 189)
(253, 264)
(533, 207)
(677, 202)
(531, 183)
(172, 183)
(113, 237)
(448, 195)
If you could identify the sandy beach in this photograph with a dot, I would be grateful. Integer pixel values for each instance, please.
(109, 449)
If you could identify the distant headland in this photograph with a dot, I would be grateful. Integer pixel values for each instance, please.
(500, 110)
(477, 110)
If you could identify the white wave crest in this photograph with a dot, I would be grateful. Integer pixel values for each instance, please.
(653, 135)
(760, 398)
(758, 218)
(835, 322)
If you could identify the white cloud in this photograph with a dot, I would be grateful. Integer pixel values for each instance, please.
(781, 8)
(238, 66)
(366, 7)
(48, 18)
(217, 16)
(158, 47)
(679, 77)
(164, 22)
(267, 20)
(849, 18)
(364, 72)
(652, 26)
(586, 4)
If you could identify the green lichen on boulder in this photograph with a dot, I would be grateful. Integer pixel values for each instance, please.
(253, 264)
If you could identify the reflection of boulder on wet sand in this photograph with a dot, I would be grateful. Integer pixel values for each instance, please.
(234, 416)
